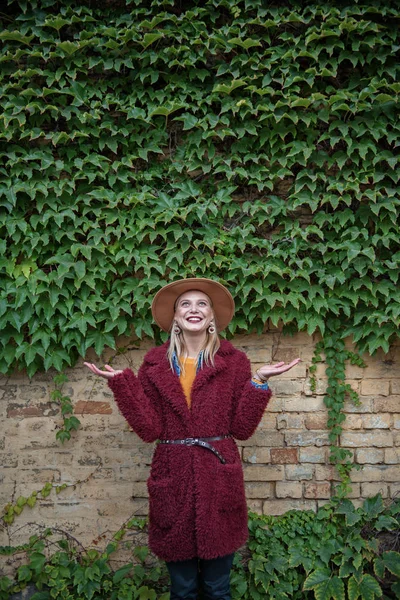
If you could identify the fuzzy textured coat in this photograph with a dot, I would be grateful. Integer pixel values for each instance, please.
(197, 504)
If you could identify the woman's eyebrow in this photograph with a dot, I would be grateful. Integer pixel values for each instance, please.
(198, 300)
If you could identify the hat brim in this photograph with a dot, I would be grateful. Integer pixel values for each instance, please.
(163, 305)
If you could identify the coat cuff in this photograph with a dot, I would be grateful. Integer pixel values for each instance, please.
(259, 384)
(115, 382)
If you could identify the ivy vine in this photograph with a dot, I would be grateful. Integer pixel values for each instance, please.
(336, 355)
(70, 423)
(15, 507)
(142, 142)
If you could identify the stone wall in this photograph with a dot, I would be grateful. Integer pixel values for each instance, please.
(106, 465)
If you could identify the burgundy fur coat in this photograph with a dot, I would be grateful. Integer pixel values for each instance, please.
(197, 504)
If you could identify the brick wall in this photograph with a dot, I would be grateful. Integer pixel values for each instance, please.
(285, 463)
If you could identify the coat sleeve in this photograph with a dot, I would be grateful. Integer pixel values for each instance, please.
(134, 396)
(249, 402)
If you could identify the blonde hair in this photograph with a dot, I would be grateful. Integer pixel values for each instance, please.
(178, 348)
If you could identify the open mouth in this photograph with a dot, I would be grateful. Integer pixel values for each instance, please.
(194, 319)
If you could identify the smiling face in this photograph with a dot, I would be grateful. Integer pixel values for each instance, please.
(193, 312)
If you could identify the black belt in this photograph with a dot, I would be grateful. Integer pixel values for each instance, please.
(199, 441)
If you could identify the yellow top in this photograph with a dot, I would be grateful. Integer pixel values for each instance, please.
(188, 377)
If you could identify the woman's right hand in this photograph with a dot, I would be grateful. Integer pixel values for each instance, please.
(105, 374)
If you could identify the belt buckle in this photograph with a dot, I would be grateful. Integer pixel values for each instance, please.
(191, 441)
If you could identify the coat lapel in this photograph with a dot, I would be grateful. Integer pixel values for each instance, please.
(169, 387)
(208, 372)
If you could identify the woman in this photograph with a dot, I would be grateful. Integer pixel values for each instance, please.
(193, 395)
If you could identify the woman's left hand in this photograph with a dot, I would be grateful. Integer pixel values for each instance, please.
(109, 373)
(267, 371)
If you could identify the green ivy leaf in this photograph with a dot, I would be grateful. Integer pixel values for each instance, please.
(386, 522)
(37, 561)
(16, 36)
(99, 340)
(71, 423)
(346, 508)
(246, 44)
(316, 578)
(68, 48)
(373, 506)
(391, 560)
(31, 501)
(63, 436)
(56, 23)
(122, 573)
(167, 109)
(229, 88)
(24, 573)
(145, 593)
(57, 359)
(150, 38)
(41, 596)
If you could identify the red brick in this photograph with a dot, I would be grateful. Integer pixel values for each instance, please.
(92, 408)
(317, 490)
(284, 456)
(37, 410)
(24, 411)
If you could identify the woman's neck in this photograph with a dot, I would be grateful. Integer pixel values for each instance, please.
(194, 344)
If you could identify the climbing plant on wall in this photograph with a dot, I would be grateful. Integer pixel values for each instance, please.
(147, 141)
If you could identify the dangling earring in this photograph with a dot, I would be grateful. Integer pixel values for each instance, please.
(177, 329)
(211, 328)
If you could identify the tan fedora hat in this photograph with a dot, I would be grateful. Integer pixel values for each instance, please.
(163, 305)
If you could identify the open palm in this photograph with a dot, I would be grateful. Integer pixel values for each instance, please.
(267, 371)
(108, 374)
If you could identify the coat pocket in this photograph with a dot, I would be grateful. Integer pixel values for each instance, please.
(162, 503)
(230, 487)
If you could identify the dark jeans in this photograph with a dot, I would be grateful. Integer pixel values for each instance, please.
(212, 576)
